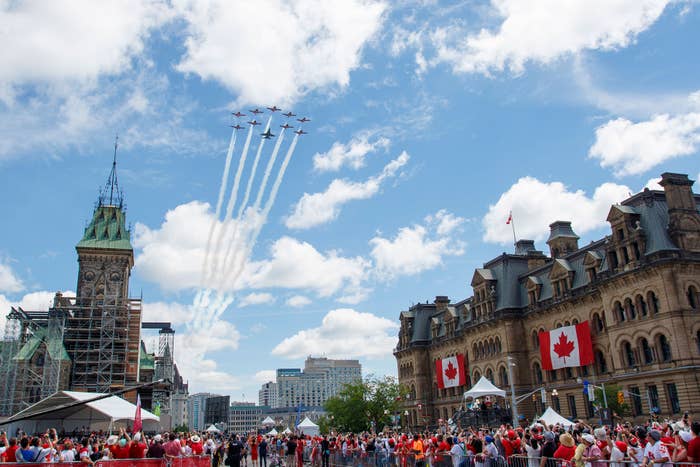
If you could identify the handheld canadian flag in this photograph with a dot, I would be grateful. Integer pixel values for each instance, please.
(450, 372)
(138, 423)
(567, 346)
(510, 218)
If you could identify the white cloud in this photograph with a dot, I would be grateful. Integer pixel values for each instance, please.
(417, 248)
(320, 208)
(351, 154)
(653, 184)
(343, 333)
(265, 376)
(40, 300)
(537, 204)
(175, 313)
(9, 282)
(74, 40)
(633, 148)
(273, 51)
(298, 265)
(542, 31)
(256, 299)
(298, 301)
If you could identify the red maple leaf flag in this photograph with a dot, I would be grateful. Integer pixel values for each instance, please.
(450, 372)
(568, 346)
(137, 416)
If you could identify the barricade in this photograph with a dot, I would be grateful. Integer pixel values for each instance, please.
(193, 461)
(525, 461)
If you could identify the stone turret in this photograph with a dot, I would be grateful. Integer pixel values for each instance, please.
(683, 217)
(562, 239)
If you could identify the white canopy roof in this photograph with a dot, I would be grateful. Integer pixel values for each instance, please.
(287, 430)
(551, 417)
(268, 421)
(62, 409)
(213, 429)
(484, 387)
(272, 432)
(308, 427)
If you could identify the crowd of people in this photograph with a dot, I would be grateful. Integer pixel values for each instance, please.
(536, 446)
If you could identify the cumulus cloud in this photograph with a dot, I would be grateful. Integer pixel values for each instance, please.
(9, 282)
(536, 204)
(541, 32)
(351, 154)
(265, 376)
(320, 208)
(419, 247)
(40, 300)
(633, 148)
(174, 312)
(343, 333)
(298, 265)
(256, 299)
(298, 301)
(306, 45)
(46, 42)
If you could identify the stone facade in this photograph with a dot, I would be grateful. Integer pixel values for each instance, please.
(637, 288)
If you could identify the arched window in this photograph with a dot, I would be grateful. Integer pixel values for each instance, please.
(537, 371)
(535, 340)
(477, 376)
(641, 305)
(574, 322)
(647, 353)
(489, 375)
(504, 376)
(665, 348)
(492, 347)
(628, 354)
(598, 323)
(553, 375)
(619, 312)
(693, 297)
(653, 302)
(475, 351)
(481, 350)
(498, 345)
(600, 362)
(629, 308)
(566, 323)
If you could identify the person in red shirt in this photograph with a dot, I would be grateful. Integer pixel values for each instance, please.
(9, 454)
(442, 449)
(137, 448)
(567, 447)
(196, 445)
(694, 444)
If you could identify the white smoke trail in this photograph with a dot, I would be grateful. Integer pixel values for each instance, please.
(242, 259)
(231, 203)
(219, 204)
(268, 169)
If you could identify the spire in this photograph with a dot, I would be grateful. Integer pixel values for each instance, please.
(110, 195)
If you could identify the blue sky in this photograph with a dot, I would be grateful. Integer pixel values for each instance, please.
(430, 121)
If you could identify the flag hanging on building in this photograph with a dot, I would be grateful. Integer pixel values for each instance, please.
(138, 424)
(450, 372)
(510, 218)
(569, 346)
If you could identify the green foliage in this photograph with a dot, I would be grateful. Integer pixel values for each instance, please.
(367, 402)
(181, 429)
(611, 391)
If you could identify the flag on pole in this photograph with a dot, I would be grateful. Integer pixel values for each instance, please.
(510, 218)
(450, 372)
(569, 346)
(138, 424)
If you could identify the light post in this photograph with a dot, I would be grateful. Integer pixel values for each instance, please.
(513, 404)
(555, 400)
(601, 387)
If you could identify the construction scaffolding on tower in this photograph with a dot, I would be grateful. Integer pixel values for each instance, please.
(164, 364)
(11, 342)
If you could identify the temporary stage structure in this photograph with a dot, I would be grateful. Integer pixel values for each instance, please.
(484, 387)
(308, 427)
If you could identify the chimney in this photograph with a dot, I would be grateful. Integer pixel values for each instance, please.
(441, 302)
(683, 217)
(562, 239)
(535, 258)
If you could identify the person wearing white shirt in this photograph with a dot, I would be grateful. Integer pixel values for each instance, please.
(655, 452)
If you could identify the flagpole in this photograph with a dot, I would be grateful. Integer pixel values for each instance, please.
(512, 224)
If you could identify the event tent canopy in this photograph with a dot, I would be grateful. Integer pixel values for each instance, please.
(272, 432)
(213, 429)
(70, 410)
(551, 417)
(308, 427)
(484, 387)
(268, 422)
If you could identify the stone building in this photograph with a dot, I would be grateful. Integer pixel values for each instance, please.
(637, 287)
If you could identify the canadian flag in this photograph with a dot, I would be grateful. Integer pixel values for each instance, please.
(567, 346)
(138, 424)
(450, 372)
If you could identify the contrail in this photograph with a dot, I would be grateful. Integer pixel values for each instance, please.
(231, 200)
(268, 169)
(219, 204)
(240, 264)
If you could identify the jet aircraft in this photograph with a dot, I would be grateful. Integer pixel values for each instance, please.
(301, 132)
(256, 111)
(286, 126)
(254, 122)
(237, 114)
(237, 127)
(303, 120)
(267, 135)
(289, 114)
(274, 108)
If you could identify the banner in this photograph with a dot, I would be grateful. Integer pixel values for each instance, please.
(569, 346)
(450, 372)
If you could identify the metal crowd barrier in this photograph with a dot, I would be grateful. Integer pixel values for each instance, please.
(519, 460)
(193, 461)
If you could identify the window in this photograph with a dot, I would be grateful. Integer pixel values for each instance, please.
(535, 340)
(636, 401)
(665, 349)
(673, 398)
(537, 371)
(598, 323)
(477, 376)
(569, 372)
(504, 376)
(613, 260)
(619, 312)
(553, 375)
(647, 353)
(584, 371)
(572, 406)
(693, 297)
(557, 405)
(637, 253)
(641, 305)
(489, 375)
(629, 308)
(653, 302)
(628, 354)
(653, 397)
(600, 361)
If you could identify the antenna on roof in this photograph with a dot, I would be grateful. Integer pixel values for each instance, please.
(112, 182)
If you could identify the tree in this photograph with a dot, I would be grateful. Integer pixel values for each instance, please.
(611, 391)
(181, 429)
(367, 402)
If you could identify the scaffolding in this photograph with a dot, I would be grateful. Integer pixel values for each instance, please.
(54, 341)
(164, 364)
(8, 367)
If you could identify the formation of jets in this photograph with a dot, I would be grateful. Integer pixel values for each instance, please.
(268, 134)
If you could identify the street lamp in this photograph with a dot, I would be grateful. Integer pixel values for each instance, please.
(513, 404)
(555, 400)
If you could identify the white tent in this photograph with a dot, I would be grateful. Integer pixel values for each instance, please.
(71, 410)
(213, 429)
(551, 417)
(308, 427)
(484, 387)
(272, 432)
(268, 422)
(287, 431)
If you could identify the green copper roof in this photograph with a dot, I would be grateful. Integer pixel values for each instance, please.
(54, 347)
(147, 360)
(107, 230)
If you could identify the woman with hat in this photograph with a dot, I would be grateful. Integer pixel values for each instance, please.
(591, 452)
(567, 447)
(680, 453)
